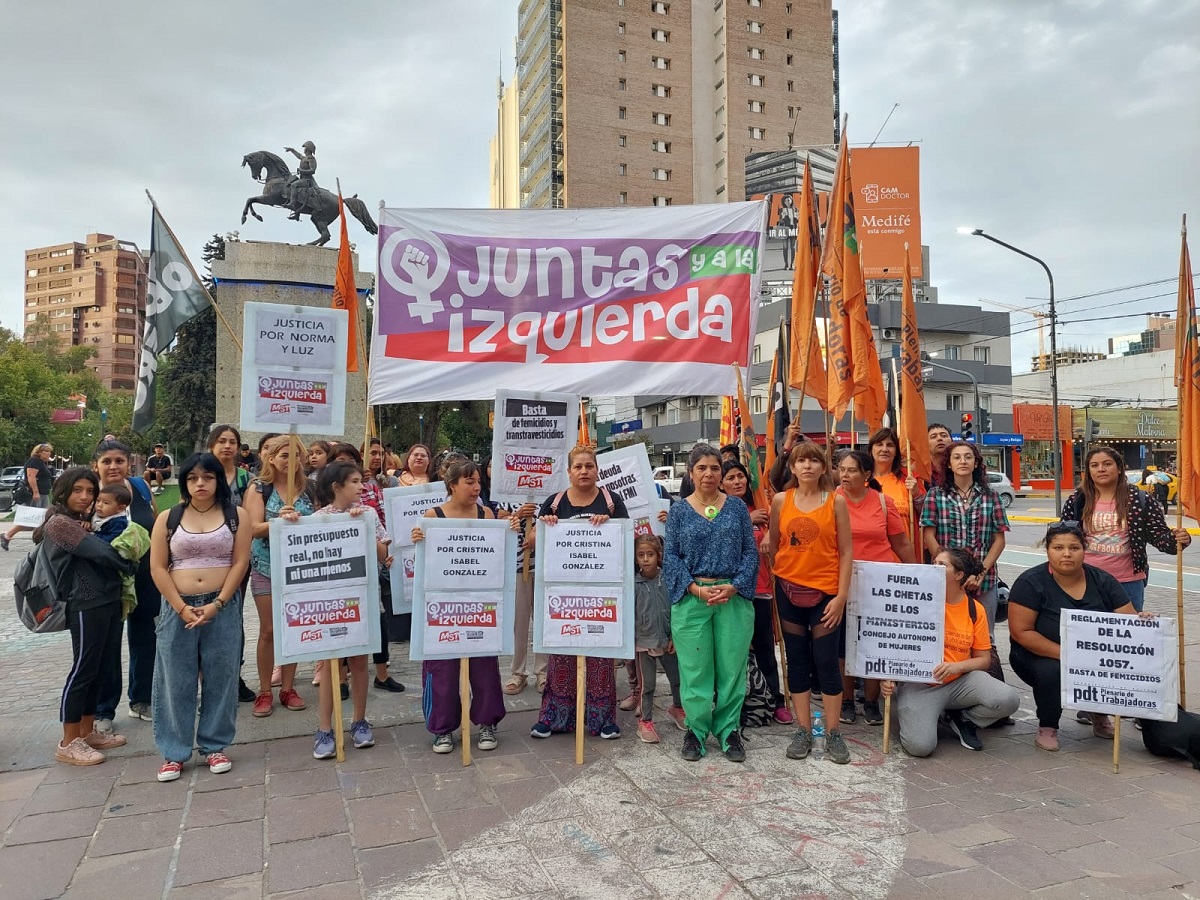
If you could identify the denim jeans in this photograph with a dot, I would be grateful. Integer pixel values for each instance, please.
(1136, 591)
(184, 655)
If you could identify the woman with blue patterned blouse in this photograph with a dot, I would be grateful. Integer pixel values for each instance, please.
(710, 566)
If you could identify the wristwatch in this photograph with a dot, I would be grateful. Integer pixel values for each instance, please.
(219, 603)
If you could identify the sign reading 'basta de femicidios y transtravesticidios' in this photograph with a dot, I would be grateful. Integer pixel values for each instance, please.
(896, 621)
(464, 590)
(294, 368)
(326, 580)
(533, 433)
(1119, 665)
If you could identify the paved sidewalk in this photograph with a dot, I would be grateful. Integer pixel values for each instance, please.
(397, 821)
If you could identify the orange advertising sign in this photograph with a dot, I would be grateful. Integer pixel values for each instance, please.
(888, 202)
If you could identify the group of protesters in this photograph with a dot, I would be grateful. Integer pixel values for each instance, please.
(735, 588)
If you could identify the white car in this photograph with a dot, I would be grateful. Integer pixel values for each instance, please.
(999, 483)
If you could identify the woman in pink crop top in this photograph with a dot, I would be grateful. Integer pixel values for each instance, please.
(199, 554)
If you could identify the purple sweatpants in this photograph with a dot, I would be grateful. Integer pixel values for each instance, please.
(439, 693)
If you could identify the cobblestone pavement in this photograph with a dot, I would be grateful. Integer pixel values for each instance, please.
(397, 821)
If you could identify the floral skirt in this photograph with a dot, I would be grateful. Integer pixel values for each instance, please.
(558, 701)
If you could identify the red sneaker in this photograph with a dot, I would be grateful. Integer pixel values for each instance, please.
(264, 704)
(218, 762)
(291, 700)
(170, 771)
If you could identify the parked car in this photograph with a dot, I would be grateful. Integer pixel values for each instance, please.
(669, 478)
(11, 477)
(999, 483)
(1134, 477)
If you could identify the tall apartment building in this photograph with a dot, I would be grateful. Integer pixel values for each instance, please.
(502, 153)
(659, 102)
(91, 294)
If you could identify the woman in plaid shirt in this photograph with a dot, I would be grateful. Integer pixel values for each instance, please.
(964, 513)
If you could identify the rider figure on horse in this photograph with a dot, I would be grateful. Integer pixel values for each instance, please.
(302, 185)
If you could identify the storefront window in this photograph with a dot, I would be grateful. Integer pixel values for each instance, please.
(1037, 460)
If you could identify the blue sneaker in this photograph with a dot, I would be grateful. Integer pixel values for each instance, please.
(361, 732)
(539, 730)
(610, 732)
(324, 746)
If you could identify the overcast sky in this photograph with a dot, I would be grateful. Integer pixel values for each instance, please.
(1070, 128)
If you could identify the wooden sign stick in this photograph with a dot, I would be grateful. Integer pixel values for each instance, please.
(580, 705)
(464, 699)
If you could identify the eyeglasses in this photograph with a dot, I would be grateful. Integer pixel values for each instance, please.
(1063, 525)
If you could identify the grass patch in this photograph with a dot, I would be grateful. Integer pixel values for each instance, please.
(168, 498)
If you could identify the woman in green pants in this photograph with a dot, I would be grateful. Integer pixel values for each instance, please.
(710, 565)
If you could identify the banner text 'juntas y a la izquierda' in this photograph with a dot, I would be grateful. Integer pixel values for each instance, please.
(580, 301)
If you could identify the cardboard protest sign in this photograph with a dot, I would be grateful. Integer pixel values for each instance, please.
(294, 368)
(403, 573)
(404, 507)
(533, 433)
(464, 590)
(28, 516)
(627, 474)
(895, 621)
(583, 592)
(325, 573)
(1119, 665)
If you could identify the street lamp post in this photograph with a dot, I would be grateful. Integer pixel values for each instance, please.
(1057, 450)
(926, 360)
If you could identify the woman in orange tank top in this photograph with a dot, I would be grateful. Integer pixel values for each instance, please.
(811, 552)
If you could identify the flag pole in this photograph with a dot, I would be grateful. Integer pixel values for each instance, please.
(1181, 332)
(211, 301)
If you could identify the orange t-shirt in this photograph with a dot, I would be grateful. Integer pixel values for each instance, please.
(894, 488)
(963, 635)
(808, 545)
(871, 525)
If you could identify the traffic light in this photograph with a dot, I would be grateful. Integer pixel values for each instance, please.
(985, 422)
(967, 432)
(1092, 431)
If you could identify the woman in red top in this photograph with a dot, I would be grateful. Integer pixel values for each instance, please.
(879, 534)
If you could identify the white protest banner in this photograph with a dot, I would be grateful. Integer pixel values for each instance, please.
(580, 300)
(896, 621)
(403, 573)
(405, 506)
(465, 589)
(28, 516)
(294, 368)
(1119, 665)
(325, 574)
(627, 474)
(583, 591)
(576, 550)
(532, 435)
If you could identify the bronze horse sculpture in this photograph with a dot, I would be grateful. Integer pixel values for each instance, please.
(321, 205)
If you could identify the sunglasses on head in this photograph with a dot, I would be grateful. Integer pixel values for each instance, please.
(1063, 526)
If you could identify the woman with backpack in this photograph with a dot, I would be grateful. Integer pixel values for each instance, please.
(962, 686)
(584, 499)
(282, 490)
(199, 553)
(111, 462)
(1118, 521)
(88, 572)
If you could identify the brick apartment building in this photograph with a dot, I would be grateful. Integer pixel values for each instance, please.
(91, 294)
(650, 102)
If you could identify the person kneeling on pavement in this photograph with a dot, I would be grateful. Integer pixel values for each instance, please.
(964, 690)
(1035, 604)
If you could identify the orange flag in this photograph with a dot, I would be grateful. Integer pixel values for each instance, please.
(731, 422)
(1187, 380)
(749, 446)
(344, 294)
(912, 385)
(585, 439)
(805, 283)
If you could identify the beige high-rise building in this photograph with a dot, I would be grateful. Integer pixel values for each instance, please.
(90, 295)
(503, 149)
(659, 102)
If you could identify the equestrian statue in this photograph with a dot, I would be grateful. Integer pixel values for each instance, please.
(299, 192)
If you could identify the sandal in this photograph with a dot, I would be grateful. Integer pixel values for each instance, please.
(630, 702)
(515, 684)
(541, 684)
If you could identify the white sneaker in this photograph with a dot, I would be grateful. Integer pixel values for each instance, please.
(104, 726)
(78, 753)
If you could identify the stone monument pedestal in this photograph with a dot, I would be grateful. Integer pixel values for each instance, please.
(289, 275)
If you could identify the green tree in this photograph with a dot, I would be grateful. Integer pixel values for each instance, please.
(187, 381)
